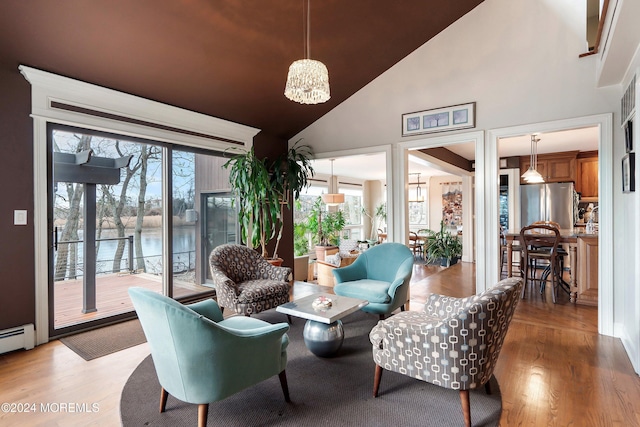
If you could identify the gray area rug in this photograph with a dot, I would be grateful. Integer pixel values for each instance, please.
(109, 339)
(335, 391)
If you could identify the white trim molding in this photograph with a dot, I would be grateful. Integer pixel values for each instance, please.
(62, 100)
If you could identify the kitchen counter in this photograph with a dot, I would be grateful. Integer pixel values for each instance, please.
(583, 259)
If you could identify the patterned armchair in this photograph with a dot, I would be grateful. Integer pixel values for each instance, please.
(453, 343)
(245, 282)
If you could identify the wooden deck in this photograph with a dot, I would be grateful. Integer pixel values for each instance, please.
(111, 296)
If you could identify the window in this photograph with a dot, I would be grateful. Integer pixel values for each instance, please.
(352, 209)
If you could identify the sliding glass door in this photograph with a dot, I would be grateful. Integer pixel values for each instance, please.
(106, 219)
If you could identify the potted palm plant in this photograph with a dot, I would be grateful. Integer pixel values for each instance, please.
(263, 189)
(442, 247)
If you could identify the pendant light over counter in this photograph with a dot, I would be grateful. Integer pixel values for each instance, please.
(532, 176)
(333, 198)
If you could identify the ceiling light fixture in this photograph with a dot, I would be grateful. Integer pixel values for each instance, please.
(532, 176)
(419, 197)
(333, 198)
(308, 79)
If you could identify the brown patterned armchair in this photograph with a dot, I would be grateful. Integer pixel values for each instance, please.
(454, 343)
(245, 282)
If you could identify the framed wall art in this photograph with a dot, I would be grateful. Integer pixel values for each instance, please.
(462, 116)
(628, 135)
(628, 173)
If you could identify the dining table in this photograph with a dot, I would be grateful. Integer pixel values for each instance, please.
(568, 237)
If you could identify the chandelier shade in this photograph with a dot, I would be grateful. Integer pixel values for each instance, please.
(307, 82)
(308, 79)
(333, 198)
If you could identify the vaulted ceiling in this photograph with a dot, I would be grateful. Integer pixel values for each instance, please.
(227, 59)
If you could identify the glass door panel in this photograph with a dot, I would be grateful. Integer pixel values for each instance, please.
(106, 218)
(219, 226)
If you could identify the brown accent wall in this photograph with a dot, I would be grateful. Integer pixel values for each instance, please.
(17, 279)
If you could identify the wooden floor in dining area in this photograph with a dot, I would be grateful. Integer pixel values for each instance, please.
(554, 368)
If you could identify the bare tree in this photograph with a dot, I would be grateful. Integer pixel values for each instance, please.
(118, 204)
(67, 252)
(145, 153)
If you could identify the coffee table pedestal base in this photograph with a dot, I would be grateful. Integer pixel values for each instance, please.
(323, 339)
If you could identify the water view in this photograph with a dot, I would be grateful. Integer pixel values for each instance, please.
(184, 251)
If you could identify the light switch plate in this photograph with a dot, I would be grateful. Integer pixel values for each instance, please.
(20, 217)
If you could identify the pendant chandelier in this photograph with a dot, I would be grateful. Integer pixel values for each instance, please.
(419, 197)
(308, 79)
(532, 176)
(333, 198)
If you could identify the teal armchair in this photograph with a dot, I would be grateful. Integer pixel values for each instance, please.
(200, 358)
(381, 275)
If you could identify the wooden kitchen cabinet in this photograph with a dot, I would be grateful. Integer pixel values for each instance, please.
(555, 167)
(587, 275)
(587, 175)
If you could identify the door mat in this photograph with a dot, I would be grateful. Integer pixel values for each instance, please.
(103, 341)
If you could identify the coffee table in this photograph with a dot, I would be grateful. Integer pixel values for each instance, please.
(323, 333)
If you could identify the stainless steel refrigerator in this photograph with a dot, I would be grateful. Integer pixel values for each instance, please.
(548, 202)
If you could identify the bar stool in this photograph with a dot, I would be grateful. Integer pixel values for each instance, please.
(515, 248)
(540, 243)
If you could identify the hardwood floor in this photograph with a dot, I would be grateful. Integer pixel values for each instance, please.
(554, 368)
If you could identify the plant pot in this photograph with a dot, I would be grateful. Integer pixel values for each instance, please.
(448, 262)
(275, 261)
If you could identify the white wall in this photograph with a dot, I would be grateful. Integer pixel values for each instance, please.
(519, 61)
(505, 55)
(627, 230)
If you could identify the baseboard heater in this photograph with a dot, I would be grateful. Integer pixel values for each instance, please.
(17, 338)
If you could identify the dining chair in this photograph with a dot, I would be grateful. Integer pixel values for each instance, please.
(415, 244)
(540, 243)
(562, 252)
